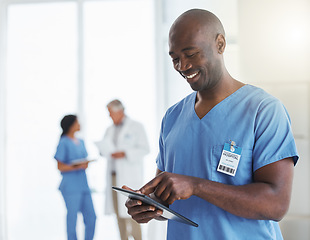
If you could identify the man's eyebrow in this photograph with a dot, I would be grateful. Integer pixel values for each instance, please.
(183, 50)
(187, 49)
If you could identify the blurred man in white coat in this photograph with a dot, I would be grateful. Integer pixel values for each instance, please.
(124, 145)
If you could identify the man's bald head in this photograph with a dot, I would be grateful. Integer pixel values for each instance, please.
(199, 20)
(196, 46)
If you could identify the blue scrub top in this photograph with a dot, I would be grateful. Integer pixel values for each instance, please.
(258, 123)
(67, 151)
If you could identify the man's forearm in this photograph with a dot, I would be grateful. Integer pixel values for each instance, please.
(253, 201)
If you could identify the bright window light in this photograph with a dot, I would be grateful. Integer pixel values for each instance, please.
(41, 88)
(43, 85)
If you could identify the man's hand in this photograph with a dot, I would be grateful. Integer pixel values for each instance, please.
(139, 211)
(117, 155)
(170, 187)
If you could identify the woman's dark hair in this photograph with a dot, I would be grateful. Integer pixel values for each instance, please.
(67, 122)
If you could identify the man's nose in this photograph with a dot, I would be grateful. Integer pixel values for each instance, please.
(183, 65)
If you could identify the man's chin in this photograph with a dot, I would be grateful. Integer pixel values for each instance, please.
(195, 87)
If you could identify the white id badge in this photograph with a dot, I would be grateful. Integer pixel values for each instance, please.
(229, 159)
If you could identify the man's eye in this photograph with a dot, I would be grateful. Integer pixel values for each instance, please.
(175, 60)
(191, 55)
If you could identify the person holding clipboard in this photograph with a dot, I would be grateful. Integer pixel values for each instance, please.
(71, 157)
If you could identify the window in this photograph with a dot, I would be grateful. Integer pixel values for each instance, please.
(41, 87)
(43, 84)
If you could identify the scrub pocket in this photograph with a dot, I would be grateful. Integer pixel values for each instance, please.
(244, 173)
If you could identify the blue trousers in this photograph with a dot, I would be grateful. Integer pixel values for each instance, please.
(80, 202)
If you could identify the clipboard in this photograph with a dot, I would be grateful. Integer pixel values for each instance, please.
(80, 161)
(167, 212)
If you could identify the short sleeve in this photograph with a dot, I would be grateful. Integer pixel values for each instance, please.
(160, 156)
(274, 139)
(60, 154)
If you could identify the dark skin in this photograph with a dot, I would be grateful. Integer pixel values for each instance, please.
(197, 43)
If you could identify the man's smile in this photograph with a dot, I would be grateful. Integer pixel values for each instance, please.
(190, 76)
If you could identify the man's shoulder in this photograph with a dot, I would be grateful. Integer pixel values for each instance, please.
(257, 95)
(179, 106)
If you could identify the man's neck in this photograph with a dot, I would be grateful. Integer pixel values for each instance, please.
(219, 92)
(121, 122)
(206, 100)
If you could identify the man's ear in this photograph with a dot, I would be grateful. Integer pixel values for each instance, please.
(220, 43)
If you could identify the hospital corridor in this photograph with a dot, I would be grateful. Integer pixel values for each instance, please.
(74, 57)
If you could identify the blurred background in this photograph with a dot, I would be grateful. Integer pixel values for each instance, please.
(74, 56)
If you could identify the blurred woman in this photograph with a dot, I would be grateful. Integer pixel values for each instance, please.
(71, 157)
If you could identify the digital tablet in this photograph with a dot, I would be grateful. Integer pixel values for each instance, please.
(167, 212)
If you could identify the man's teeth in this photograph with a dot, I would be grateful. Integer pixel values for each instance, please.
(192, 75)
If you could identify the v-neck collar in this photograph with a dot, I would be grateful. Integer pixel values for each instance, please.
(194, 97)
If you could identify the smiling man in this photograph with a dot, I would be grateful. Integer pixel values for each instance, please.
(226, 151)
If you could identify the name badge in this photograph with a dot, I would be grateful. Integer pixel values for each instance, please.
(229, 159)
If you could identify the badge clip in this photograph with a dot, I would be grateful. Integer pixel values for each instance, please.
(232, 145)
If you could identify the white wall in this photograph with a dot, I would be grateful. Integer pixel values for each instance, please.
(274, 40)
(2, 122)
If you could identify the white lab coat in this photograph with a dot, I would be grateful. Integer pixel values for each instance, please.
(129, 170)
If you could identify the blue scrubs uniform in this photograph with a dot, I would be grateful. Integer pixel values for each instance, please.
(256, 122)
(74, 188)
